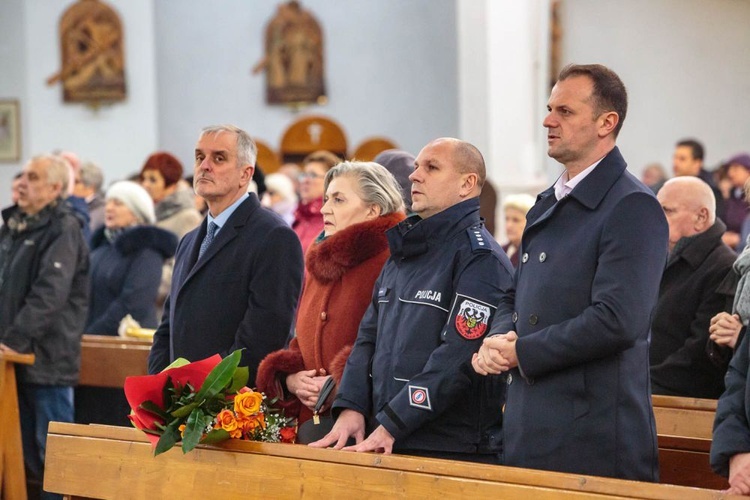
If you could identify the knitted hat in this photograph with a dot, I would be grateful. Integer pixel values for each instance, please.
(169, 167)
(135, 198)
(742, 159)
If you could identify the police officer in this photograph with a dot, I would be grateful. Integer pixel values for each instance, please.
(409, 375)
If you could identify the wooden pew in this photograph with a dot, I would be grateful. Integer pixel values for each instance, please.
(12, 473)
(114, 462)
(684, 428)
(107, 360)
(684, 425)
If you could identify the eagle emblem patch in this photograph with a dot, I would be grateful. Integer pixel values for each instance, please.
(472, 319)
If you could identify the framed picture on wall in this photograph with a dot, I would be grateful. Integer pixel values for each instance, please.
(10, 131)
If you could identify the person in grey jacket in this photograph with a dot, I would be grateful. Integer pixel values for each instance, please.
(43, 301)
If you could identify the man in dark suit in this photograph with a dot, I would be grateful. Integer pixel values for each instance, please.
(237, 277)
(592, 256)
(691, 293)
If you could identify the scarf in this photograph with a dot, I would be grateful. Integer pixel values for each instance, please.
(741, 304)
(18, 222)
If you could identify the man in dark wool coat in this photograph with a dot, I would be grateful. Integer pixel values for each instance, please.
(592, 256)
(238, 275)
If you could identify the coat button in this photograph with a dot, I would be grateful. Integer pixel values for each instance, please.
(514, 317)
(525, 258)
(323, 316)
(533, 319)
(510, 378)
(542, 257)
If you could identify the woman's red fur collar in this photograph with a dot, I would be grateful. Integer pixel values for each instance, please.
(328, 260)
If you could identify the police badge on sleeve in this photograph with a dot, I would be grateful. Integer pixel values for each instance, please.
(473, 317)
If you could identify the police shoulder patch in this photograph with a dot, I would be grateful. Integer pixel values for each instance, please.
(419, 397)
(479, 239)
(472, 319)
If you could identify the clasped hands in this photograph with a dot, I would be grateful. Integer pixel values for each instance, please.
(725, 329)
(497, 354)
(306, 385)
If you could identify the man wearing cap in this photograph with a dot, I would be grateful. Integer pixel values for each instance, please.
(237, 277)
(44, 264)
(738, 172)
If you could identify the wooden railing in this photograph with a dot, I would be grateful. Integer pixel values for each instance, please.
(683, 424)
(116, 462)
(12, 475)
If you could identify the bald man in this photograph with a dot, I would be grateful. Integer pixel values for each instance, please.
(408, 384)
(690, 293)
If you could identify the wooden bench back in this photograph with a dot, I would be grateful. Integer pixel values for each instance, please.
(121, 461)
(683, 424)
(107, 360)
(684, 428)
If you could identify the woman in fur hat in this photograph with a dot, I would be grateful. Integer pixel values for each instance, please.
(362, 201)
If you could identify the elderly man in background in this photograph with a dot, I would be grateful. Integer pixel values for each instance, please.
(43, 302)
(689, 295)
(88, 185)
(237, 277)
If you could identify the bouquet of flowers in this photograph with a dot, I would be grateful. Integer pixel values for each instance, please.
(169, 409)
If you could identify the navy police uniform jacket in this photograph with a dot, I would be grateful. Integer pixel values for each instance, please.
(586, 286)
(432, 305)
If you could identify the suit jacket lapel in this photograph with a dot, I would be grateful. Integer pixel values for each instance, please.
(589, 192)
(227, 233)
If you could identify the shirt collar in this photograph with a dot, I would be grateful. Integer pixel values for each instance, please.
(563, 186)
(222, 218)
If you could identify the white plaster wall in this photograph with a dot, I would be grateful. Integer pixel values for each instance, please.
(12, 81)
(685, 64)
(390, 69)
(117, 137)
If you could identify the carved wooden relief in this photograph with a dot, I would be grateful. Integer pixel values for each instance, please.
(93, 62)
(293, 60)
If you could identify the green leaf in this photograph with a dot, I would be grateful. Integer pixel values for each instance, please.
(154, 409)
(219, 377)
(215, 436)
(239, 379)
(196, 424)
(184, 411)
(169, 438)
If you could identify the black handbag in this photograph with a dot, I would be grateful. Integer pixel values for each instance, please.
(317, 427)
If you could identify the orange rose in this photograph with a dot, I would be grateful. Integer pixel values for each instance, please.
(226, 420)
(247, 403)
(250, 424)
